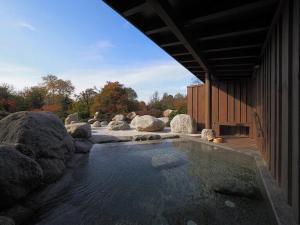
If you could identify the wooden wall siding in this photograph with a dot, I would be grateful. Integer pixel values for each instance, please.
(276, 91)
(231, 103)
(196, 104)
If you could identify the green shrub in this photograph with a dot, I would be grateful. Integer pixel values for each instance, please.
(181, 110)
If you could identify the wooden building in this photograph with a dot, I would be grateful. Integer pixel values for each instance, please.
(247, 54)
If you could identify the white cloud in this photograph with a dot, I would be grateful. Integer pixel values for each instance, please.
(26, 26)
(18, 76)
(163, 77)
(96, 51)
(104, 44)
(145, 79)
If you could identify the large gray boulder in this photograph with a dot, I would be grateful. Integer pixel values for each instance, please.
(19, 175)
(149, 123)
(118, 117)
(3, 114)
(118, 125)
(72, 118)
(79, 130)
(41, 136)
(183, 123)
(6, 221)
(82, 145)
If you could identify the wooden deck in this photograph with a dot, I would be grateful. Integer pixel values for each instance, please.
(240, 143)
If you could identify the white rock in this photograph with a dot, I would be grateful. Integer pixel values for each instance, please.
(207, 134)
(165, 120)
(96, 124)
(79, 130)
(118, 117)
(96, 115)
(183, 123)
(103, 123)
(131, 115)
(133, 122)
(91, 121)
(149, 123)
(167, 112)
(118, 125)
(71, 118)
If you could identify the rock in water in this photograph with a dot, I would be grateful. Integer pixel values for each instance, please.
(118, 125)
(146, 137)
(118, 117)
(207, 134)
(72, 118)
(41, 136)
(149, 123)
(191, 222)
(82, 145)
(79, 130)
(229, 204)
(19, 174)
(183, 123)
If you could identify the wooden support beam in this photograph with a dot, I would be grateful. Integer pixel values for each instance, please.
(232, 70)
(236, 64)
(165, 13)
(207, 101)
(232, 48)
(170, 44)
(193, 67)
(230, 58)
(180, 54)
(233, 34)
(232, 12)
(188, 61)
(196, 71)
(134, 10)
(157, 30)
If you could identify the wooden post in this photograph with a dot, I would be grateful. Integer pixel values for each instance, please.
(207, 101)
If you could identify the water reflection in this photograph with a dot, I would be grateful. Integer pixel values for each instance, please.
(159, 184)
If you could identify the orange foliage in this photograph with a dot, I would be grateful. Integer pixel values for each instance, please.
(51, 108)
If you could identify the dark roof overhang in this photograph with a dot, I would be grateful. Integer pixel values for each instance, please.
(224, 38)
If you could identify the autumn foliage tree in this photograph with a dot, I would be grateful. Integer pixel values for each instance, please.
(176, 102)
(115, 98)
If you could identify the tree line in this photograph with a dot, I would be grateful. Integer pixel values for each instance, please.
(57, 96)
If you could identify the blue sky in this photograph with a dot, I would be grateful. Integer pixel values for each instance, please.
(84, 41)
